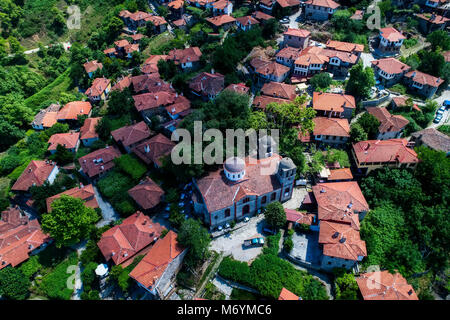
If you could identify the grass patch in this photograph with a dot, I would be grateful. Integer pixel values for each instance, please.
(211, 264)
(131, 166)
(157, 43)
(445, 129)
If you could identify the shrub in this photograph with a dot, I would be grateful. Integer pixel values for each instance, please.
(130, 165)
(30, 267)
(14, 284)
(236, 271)
(288, 244)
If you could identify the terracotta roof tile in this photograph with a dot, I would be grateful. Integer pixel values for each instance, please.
(433, 18)
(340, 174)
(206, 83)
(147, 194)
(312, 55)
(261, 16)
(269, 67)
(153, 149)
(87, 131)
(391, 65)
(85, 193)
(285, 294)
(124, 241)
(131, 134)
(332, 101)
(219, 21)
(247, 20)
(238, 87)
(192, 54)
(433, 139)
(288, 3)
(324, 3)
(388, 122)
(301, 33)
(424, 78)
(331, 127)
(67, 140)
(47, 117)
(92, 66)
(36, 173)
(345, 46)
(99, 161)
(72, 110)
(391, 34)
(298, 217)
(384, 151)
(154, 100)
(279, 90)
(261, 102)
(150, 269)
(382, 285)
(121, 84)
(289, 53)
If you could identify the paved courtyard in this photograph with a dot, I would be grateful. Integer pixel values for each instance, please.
(232, 243)
(306, 247)
(298, 194)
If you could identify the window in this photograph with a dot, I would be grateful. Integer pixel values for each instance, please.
(246, 200)
(273, 196)
(246, 209)
(264, 200)
(227, 213)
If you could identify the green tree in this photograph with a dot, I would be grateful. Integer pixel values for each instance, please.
(320, 81)
(346, 286)
(13, 284)
(194, 236)
(69, 222)
(62, 156)
(439, 39)
(120, 102)
(370, 124)
(275, 215)
(431, 63)
(357, 133)
(361, 81)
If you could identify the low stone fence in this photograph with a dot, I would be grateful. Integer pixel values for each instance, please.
(373, 103)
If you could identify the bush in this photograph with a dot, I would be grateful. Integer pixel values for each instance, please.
(30, 267)
(236, 271)
(54, 284)
(88, 276)
(288, 244)
(275, 215)
(320, 81)
(130, 165)
(91, 253)
(14, 284)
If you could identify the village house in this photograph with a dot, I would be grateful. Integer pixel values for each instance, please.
(137, 38)
(310, 61)
(348, 47)
(332, 131)
(159, 24)
(421, 83)
(188, 59)
(151, 64)
(340, 175)
(390, 41)
(287, 56)
(85, 193)
(147, 194)
(261, 16)
(383, 285)
(341, 206)
(97, 163)
(242, 188)
(222, 7)
(373, 154)
(268, 71)
(429, 22)
(130, 136)
(150, 83)
(391, 126)
(153, 150)
(150, 104)
(20, 237)
(295, 218)
(133, 237)
(266, 5)
(91, 66)
(224, 21)
(279, 90)
(246, 23)
(122, 83)
(389, 71)
(433, 139)
(320, 10)
(204, 4)
(261, 102)
(296, 38)
(180, 109)
(157, 271)
(336, 105)
(72, 110)
(99, 89)
(88, 133)
(176, 9)
(46, 118)
(339, 62)
(240, 88)
(287, 7)
(70, 141)
(35, 174)
(207, 85)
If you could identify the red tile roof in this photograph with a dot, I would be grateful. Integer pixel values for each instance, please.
(289, 53)
(206, 83)
(147, 194)
(124, 241)
(85, 193)
(285, 294)
(36, 173)
(279, 90)
(121, 43)
(424, 78)
(150, 83)
(156, 20)
(259, 15)
(154, 149)
(131, 134)
(345, 46)
(191, 54)
(67, 140)
(298, 217)
(247, 20)
(150, 269)
(433, 139)
(358, 15)
(340, 202)
(18, 237)
(391, 65)
(301, 33)
(269, 67)
(340, 174)
(139, 15)
(72, 110)
(219, 192)
(323, 3)
(219, 21)
(312, 55)
(176, 4)
(384, 151)
(151, 64)
(92, 66)
(288, 3)
(391, 34)
(238, 87)
(154, 100)
(47, 117)
(382, 285)
(181, 106)
(432, 18)
(388, 122)
(130, 48)
(99, 161)
(340, 240)
(332, 101)
(88, 131)
(261, 102)
(123, 83)
(331, 127)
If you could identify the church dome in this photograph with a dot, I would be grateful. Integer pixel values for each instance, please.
(234, 165)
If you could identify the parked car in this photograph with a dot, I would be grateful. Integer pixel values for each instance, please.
(446, 104)
(441, 110)
(246, 219)
(255, 242)
(438, 118)
(285, 20)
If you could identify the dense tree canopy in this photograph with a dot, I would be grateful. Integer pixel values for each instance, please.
(195, 237)
(13, 284)
(275, 215)
(361, 81)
